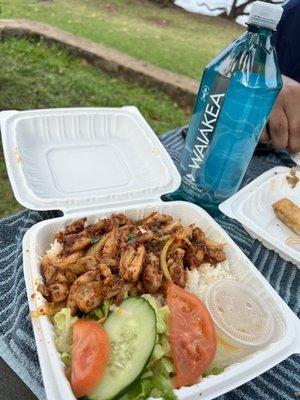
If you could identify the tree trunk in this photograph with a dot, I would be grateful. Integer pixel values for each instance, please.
(235, 10)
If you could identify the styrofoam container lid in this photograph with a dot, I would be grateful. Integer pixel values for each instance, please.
(84, 158)
(252, 207)
(240, 316)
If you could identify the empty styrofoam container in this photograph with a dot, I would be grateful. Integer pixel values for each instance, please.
(93, 162)
(252, 207)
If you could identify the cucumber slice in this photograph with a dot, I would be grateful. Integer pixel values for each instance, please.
(132, 333)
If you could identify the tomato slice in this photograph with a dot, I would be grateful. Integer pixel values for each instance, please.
(90, 350)
(192, 336)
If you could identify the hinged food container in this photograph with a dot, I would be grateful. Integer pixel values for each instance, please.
(92, 162)
(252, 207)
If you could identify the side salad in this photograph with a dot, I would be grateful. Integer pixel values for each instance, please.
(137, 349)
(125, 326)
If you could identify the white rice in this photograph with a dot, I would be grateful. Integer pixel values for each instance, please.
(55, 249)
(199, 279)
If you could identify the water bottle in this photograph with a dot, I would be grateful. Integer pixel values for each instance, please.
(235, 98)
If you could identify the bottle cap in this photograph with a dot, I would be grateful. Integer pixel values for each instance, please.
(265, 14)
(240, 316)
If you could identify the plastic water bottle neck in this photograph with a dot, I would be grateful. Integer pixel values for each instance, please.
(262, 31)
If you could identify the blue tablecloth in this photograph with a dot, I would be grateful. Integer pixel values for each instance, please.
(17, 346)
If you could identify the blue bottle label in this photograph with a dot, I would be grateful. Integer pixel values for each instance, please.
(213, 100)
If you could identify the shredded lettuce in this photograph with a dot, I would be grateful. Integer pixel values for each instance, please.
(100, 313)
(213, 370)
(95, 239)
(167, 366)
(152, 384)
(162, 388)
(63, 323)
(158, 353)
(147, 374)
(125, 295)
(95, 314)
(141, 390)
(66, 358)
(162, 314)
(160, 367)
(105, 307)
(166, 346)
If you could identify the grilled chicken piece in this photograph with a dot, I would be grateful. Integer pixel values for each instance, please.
(125, 229)
(136, 289)
(113, 286)
(152, 276)
(214, 253)
(96, 248)
(98, 228)
(76, 242)
(111, 244)
(71, 277)
(75, 227)
(58, 292)
(83, 265)
(155, 220)
(194, 256)
(176, 268)
(131, 263)
(48, 271)
(103, 271)
(143, 237)
(64, 261)
(198, 235)
(61, 278)
(116, 221)
(109, 262)
(185, 232)
(172, 227)
(89, 296)
(121, 219)
(43, 290)
(84, 279)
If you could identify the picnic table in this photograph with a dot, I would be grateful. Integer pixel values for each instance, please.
(17, 345)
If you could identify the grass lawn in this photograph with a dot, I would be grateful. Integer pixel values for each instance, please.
(36, 76)
(168, 37)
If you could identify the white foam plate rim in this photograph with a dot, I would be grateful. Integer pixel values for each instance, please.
(235, 207)
(39, 235)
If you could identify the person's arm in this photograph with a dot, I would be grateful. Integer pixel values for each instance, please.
(284, 121)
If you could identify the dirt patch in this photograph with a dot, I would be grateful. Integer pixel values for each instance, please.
(159, 22)
(84, 63)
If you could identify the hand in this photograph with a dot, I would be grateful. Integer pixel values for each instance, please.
(284, 121)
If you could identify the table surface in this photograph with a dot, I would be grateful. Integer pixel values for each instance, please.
(13, 388)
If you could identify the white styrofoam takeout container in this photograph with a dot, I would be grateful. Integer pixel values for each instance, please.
(252, 207)
(93, 162)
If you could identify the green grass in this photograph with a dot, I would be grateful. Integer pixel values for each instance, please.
(32, 75)
(168, 37)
